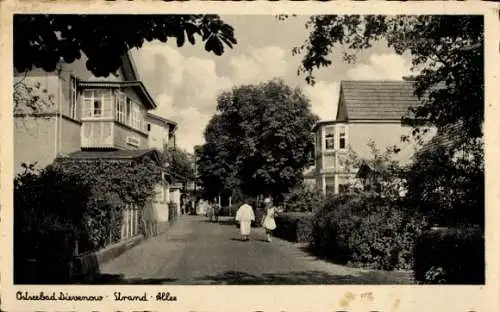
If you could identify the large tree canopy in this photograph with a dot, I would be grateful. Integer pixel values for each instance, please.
(180, 164)
(447, 49)
(42, 40)
(259, 141)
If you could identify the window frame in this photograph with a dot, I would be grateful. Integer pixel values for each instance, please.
(329, 138)
(73, 94)
(342, 135)
(89, 98)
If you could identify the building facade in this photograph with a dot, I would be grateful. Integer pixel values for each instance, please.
(88, 117)
(366, 111)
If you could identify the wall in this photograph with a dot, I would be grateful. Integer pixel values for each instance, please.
(70, 136)
(158, 135)
(34, 141)
(121, 133)
(175, 196)
(384, 135)
(57, 82)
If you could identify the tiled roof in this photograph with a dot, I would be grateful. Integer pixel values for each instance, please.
(118, 154)
(380, 100)
(444, 138)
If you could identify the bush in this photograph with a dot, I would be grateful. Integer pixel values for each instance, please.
(295, 227)
(49, 207)
(303, 200)
(366, 231)
(450, 256)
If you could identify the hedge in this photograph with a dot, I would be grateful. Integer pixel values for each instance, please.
(303, 200)
(294, 227)
(48, 209)
(450, 256)
(366, 231)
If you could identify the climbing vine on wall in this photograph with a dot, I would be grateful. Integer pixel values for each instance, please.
(113, 185)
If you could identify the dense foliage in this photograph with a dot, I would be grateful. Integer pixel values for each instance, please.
(74, 201)
(42, 40)
(49, 207)
(303, 200)
(448, 187)
(366, 230)
(450, 256)
(259, 140)
(294, 226)
(114, 184)
(180, 164)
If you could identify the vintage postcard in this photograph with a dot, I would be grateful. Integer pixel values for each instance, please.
(249, 156)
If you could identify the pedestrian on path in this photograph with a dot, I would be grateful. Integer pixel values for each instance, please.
(245, 216)
(268, 223)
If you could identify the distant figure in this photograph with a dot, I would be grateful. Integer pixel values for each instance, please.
(245, 216)
(217, 210)
(210, 211)
(268, 223)
(201, 208)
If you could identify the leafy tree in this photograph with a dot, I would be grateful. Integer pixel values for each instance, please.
(259, 140)
(42, 40)
(180, 164)
(448, 50)
(446, 186)
(445, 181)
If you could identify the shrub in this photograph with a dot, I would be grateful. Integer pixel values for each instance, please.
(295, 227)
(450, 256)
(49, 206)
(366, 231)
(303, 200)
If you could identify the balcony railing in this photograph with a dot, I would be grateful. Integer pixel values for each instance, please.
(97, 134)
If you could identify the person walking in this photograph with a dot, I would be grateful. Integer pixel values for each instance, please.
(245, 216)
(268, 223)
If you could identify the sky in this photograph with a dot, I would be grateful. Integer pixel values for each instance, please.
(185, 81)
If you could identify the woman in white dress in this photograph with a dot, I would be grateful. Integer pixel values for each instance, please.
(245, 216)
(268, 223)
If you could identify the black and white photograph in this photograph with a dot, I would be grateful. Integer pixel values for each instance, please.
(254, 149)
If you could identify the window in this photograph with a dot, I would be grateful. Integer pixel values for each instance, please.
(342, 138)
(329, 138)
(149, 127)
(97, 108)
(330, 185)
(72, 97)
(128, 112)
(97, 103)
(343, 188)
(121, 100)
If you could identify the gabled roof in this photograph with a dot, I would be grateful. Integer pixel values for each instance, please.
(130, 72)
(375, 100)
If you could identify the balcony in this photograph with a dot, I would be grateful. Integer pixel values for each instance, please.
(111, 120)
